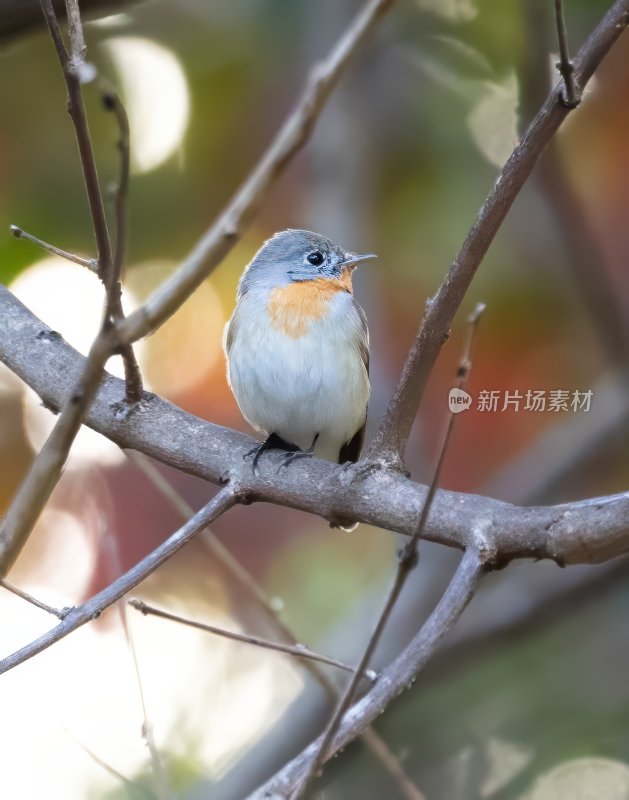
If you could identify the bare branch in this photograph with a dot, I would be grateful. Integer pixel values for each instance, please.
(582, 532)
(407, 562)
(225, 232)
(397, 677)
(76, 109)
(571, 97)
(390, 441)
(95, 606)
(133, 376)
(60, 614)
(298, 651)
(88, 263)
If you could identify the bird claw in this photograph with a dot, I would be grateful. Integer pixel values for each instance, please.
(290, 457)
(256, 452)
(272, 442)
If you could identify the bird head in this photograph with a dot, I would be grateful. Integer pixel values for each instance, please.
(297, 255)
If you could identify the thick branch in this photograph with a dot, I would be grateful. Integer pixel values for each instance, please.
(390, 441)
(397, 677)
(587, 532)
(93, 607)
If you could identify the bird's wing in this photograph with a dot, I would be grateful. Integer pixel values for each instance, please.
(351, 450)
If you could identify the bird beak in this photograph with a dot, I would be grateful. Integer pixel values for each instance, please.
(352, 259)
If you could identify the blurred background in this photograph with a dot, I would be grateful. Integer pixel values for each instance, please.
(534, 677)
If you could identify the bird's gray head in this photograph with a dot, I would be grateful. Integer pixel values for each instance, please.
(296, 255)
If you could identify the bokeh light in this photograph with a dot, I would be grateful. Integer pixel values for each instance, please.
(155, 93)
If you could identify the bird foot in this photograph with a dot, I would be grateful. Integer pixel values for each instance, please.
(272, 442)
(293, 456)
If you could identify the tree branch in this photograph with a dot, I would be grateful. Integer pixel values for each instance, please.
(133, 376)
(72, 65)
(225, 232)
(585, 532)
(397, 677)
(94, 607)
(390, 440)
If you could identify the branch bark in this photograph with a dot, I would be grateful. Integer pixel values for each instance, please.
(583, 532)
(390, 440)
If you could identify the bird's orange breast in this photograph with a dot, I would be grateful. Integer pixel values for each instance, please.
(293, 307)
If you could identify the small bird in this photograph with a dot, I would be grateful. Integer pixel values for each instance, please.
(297, 349)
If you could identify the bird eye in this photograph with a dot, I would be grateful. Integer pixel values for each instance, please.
(315, 258)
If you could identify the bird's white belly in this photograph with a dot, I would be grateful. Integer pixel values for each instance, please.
(300, 387)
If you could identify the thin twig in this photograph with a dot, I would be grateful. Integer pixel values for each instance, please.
(221, 237)
(133, 376)
(94, 607)
(390, 440)
(88, 263)
(407, 561)
(248, 587)
(70, 66)
(298, 651)
(56, 612)
(570, 97)
(397, 677)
